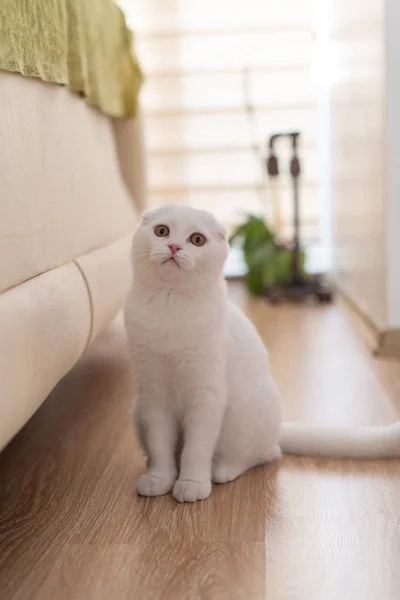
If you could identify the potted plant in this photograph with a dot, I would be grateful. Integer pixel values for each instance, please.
(269, 262)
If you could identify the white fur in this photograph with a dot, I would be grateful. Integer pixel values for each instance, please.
(201, 370)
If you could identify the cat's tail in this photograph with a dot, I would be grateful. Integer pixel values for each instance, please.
(341, 442)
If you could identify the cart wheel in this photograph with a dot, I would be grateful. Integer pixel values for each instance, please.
(274, 295)
(324, 296)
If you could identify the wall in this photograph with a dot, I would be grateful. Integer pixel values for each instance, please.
(392, 163)
(359, 209)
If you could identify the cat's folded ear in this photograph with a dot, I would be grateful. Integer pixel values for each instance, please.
(148, 215)
(222, 233)
(217, 228)
(162, 211)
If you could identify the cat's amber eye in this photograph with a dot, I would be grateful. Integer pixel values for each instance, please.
(161, 231)
(197, 239)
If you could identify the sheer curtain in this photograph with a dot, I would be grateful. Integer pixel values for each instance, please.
(221, 76)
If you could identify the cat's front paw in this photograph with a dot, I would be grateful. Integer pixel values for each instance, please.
(191, 491)
(149, 484)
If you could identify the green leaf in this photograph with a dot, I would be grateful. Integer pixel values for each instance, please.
(267, 264)
(252, 233)
(284, 267)
(254, 280)
(256, 266)
(269, 273)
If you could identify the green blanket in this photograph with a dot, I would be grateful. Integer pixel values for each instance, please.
(82, 44)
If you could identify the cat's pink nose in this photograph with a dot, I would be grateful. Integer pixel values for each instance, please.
(174, 248)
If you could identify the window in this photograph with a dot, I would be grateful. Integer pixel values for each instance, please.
(221, 76)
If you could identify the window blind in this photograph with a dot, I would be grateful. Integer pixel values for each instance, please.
(221, 76)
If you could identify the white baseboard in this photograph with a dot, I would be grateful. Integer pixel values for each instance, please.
(381, 340)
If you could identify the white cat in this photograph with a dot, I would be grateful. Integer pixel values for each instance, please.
(201, 370)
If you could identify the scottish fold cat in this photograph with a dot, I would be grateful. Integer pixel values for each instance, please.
(206, 407)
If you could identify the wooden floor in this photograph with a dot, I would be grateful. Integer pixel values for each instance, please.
(71, 526)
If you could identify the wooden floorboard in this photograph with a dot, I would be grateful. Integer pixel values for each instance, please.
(71, 526)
